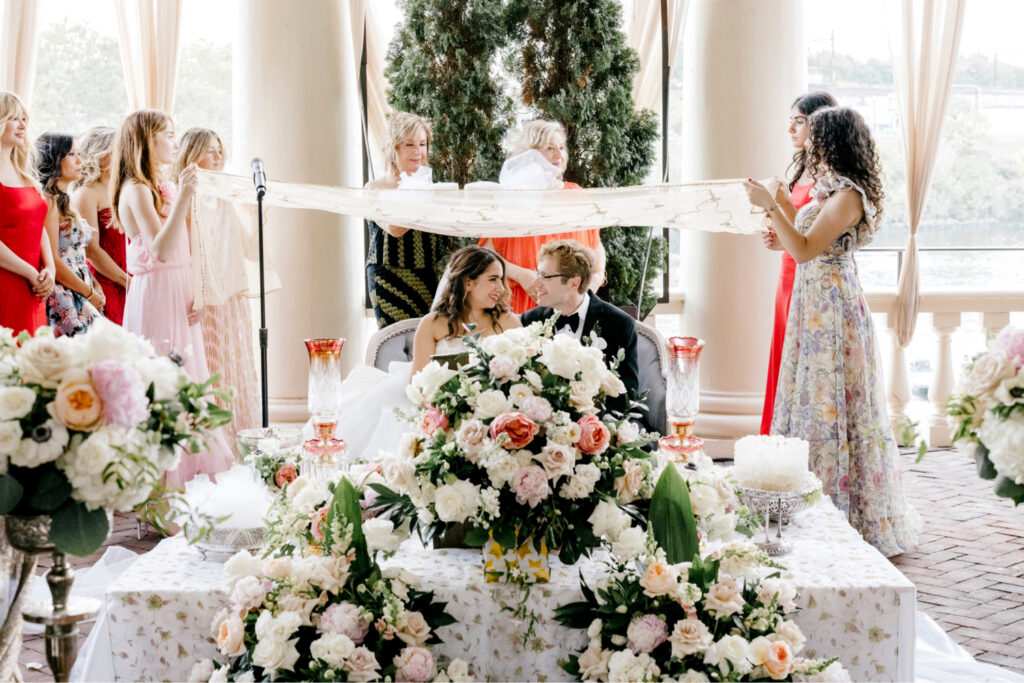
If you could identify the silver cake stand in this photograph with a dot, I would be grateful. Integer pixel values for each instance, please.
(781, 505)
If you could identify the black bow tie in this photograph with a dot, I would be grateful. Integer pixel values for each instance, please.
(573, 321)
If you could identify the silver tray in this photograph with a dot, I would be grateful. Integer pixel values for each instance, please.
(221, 544)
(781, 505)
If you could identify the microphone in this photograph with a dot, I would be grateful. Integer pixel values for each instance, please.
(258, 177)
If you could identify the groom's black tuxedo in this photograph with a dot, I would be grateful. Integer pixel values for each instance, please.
(619, 332)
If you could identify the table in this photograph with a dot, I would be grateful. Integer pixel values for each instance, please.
(856, 605)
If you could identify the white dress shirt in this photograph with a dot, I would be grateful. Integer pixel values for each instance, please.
(582, 312)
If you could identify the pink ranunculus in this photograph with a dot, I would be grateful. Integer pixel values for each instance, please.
(433, 420)
(285, 474)
(646, 633)
(531, 485)
(1011, 341)
(344, 618)
(317, 521)
(123, 392)
(594, 435)
(519, 428)
(414, 664)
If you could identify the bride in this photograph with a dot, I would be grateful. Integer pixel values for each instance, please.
(476, 293)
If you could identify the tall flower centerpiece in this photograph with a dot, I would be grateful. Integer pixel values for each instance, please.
(986, 412)
(517, 446)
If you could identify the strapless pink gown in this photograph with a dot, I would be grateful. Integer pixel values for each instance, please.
(156, 307)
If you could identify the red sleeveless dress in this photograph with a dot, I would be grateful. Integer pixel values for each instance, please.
(800, 196)
(522, 251)
(113, 242)
(22, 214)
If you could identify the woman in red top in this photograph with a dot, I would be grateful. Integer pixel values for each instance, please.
(520, 253)
(26, 262)
(799, 194)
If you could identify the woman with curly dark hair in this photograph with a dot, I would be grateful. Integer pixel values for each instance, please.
(476, 293)
(831, 390)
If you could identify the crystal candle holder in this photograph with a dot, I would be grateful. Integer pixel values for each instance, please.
(324, 394)
(682, 399)
(323, 455)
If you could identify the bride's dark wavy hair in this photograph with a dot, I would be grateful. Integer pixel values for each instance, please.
(466, 264)
(841, 144)
(806, 104)
(51, 149)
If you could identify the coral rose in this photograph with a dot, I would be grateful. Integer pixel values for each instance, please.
(285, 474)
(594, 435)
(519, 428)
(78, 405)
(433, 420)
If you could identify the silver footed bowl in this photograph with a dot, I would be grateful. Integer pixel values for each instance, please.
(221, 544)
(784, 503)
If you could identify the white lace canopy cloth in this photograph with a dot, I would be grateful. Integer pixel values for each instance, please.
(714, 206)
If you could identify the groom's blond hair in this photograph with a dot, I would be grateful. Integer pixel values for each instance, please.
(573, 259)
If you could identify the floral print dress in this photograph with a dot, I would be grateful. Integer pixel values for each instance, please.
(68, 312)
(831, 390)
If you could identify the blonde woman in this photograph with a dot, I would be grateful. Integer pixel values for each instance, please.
(159, 303)
(401, 263)
(548, 138)
(227, 323)
(91, 200)
(26, 261)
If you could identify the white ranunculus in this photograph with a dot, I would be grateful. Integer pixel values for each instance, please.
(492, 403)
(16, 402)
(427, 381)
(561, 356)
(380, 535)
(729, 650)
(1005, 441)
(43, 360)
(332, 649)
(43, 444)
(608, 520)
(456, 502)
(987, 372)
(10, 437)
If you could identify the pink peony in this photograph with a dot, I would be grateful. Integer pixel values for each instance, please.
(122, 391)
(519, 428)
(537, 409)
(503, 367)
(531, 485)
(414, 664)
(1011, 341)
(285, 474)
(317, 521)
(433, 420)
(344, 618)
(646, 633)
(594, 435)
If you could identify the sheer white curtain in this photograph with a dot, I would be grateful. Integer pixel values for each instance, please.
(148, 32)
(18, 52)
(364, 20)
(925, 39)
(643, 22)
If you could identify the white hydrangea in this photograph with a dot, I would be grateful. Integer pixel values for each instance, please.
(1005, 442)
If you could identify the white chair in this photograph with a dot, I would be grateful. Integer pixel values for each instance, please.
(395, 343)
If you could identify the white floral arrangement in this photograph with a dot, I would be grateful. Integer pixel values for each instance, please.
(986, 412)
(327, 612)
(89, 424)
(518, 438)
(717, 509)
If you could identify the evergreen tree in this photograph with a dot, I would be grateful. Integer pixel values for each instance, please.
(577, 68)
(441, 65)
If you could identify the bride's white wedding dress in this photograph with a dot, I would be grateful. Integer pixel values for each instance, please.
(367, 420)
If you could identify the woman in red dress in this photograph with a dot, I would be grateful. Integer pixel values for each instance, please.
(91, 199)
(799, 194)
(26, 261)
(520, 253)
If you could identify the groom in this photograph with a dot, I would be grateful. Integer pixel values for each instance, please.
(564, 268)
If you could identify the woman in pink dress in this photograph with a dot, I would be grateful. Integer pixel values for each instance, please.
(159, 302)
(799, 194)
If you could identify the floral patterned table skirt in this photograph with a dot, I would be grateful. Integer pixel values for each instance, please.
(156, 622)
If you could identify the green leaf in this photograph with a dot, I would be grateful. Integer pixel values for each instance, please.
(475, 537)
(78, 530)
(346, 504)
(10, 493)
(1007, 488)
(986, 470)
(52, 489)
(672, 520)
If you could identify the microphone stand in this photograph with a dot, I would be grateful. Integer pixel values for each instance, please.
(260, 191)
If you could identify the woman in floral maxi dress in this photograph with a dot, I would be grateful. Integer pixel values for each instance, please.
(831, 390)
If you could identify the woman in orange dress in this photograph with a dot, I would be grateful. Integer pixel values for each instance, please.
(520, 253)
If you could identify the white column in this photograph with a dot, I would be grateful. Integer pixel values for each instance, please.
(899, 383)
(745, 64)
(945, 325)
(295, 106)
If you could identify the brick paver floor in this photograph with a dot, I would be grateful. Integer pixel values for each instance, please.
(969, 571)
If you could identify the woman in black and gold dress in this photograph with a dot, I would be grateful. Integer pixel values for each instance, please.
(401, 263)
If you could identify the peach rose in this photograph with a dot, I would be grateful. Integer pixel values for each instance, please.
(778, 660)
(433, 420)
(362, 665)
(317, 520)
(231, 636)
(78, 405)
(659, 579)
(415, 631)
(724, 598)
(689, 636)
(627, 487)
(594, 435)
(520, 430)
(285, 474)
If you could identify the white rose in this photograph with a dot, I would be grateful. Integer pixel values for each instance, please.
(987, 373)
(399, 474)
(201, 671)
(519, 393)
(557, 460)
(729, 650)
(44, 444)
(703, 499)
(492, 403)
(611, 385)
(16, 402)
(561, 356)
(274, 655)
(627, 432)
(457, 501)
(43, 359)
(10, 437)
(582, 483)
(581, 395)
(630, 544)
(608, 520)
(592, 366)
(498, 345)
(427, 381)
(279, 628)
(332, 649)
(458, 671)
(244, 677)
(380, 535)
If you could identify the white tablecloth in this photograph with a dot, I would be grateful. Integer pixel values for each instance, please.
(856, 605)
